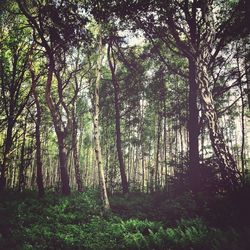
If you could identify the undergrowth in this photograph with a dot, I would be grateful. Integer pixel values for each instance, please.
(137, 221)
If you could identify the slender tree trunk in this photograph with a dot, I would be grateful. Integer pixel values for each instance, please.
(176, 158)
(21, 182)
(75, 154)
(71, 165)
(158, 138)
(87, 165)
(142, 154)
(129, 151)
(136, 166)
(98, 153)
(107, 149)
(116, 87)
(39, 165)
(181, 142)
(247, 72)
(242, 153)
(143, 169)
(202, 143)
(165, 144)
(7, 149)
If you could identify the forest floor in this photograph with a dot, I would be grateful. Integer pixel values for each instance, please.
(137, 221)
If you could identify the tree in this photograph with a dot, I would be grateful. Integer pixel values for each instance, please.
(191, 27)
(39, 164)
(149, 93)
(53, 30)
(15, 87)
(98, 153)
(117, 100)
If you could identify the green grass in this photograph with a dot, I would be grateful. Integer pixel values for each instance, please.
(137, 221)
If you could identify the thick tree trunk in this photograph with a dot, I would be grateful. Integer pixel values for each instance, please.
(116, 87)
(63, 164)
(193, 129)
(228, 169)
(60, 130)
(98, 154)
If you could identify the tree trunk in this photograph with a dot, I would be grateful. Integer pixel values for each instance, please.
(165, 145)
(116, 87)
(22, 166)
(75, 154)
(98, 154)
(63, 163)
(242, 153)
(39, 165)
(193, 130)
(158, 138)
(60, 130)
(247, 73)
(7, 148)
(228, 169)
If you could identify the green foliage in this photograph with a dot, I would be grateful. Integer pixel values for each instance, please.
(76, 222)
(135, 205)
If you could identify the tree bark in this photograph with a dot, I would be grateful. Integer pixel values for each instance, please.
(21, 182)
(228, 168)
(39, 165)
(7, 149)
(63, 163)
(193, 129)
(242, 152)
(75, 153)
(98, 154)
(165, 146)
(158, 138)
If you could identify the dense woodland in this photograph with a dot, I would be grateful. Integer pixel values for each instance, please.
(124, 124)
